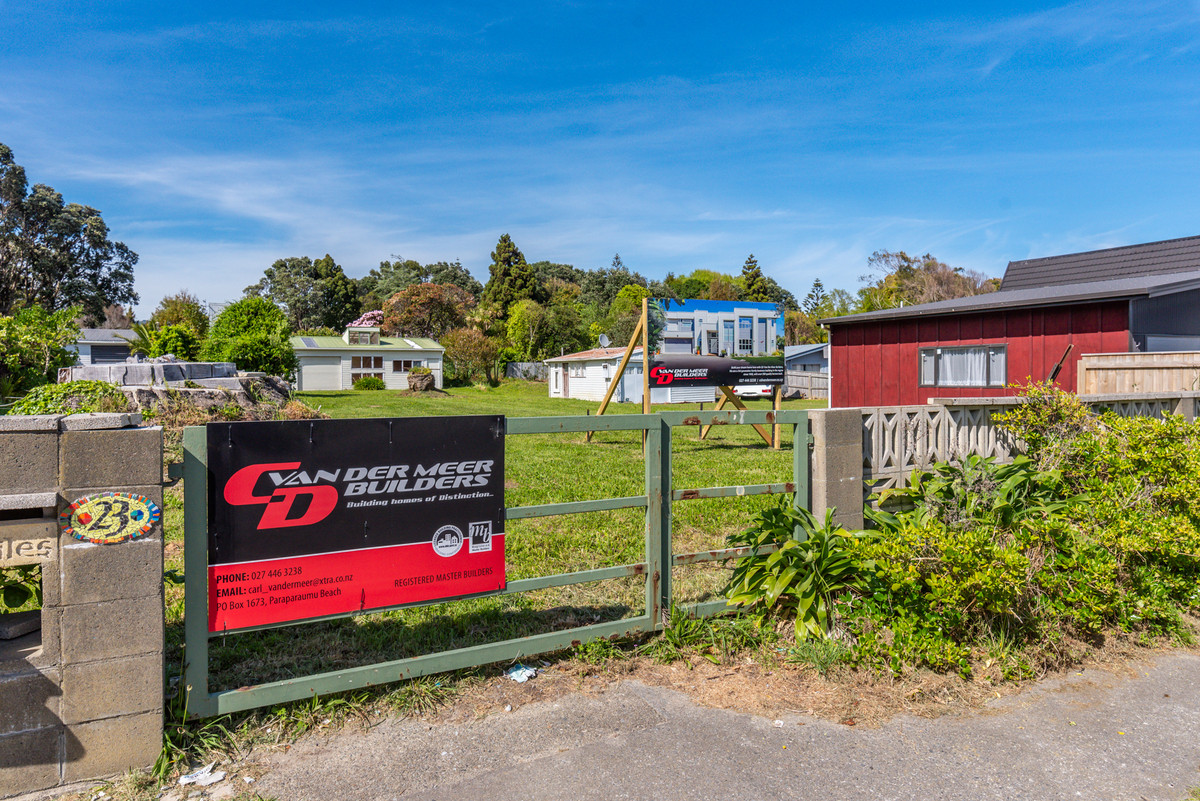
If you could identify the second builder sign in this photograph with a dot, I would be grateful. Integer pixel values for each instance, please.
(319, 517)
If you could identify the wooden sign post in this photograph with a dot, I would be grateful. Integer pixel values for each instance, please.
(642, 332)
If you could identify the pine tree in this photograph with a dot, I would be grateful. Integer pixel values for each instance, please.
(511, 277)
(815, 300)
(755, 284)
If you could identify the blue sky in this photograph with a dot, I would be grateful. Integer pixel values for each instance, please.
(217, 137)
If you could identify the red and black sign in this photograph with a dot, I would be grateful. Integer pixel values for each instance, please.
(683, 370)
(318, 517)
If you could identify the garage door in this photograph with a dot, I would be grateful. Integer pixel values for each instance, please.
(320, 372)
(109, 354)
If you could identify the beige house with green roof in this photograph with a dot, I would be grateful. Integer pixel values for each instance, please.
(337, 362)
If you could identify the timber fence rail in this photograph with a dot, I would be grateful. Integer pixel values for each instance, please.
(896, 440)
(808, 383)
(656, 567)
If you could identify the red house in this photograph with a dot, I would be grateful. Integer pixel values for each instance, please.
(1134, 298)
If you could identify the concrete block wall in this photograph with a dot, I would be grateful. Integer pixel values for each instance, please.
(837, 465)
(83, 697)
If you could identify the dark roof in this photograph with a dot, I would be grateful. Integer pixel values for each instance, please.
(1130, 261)
(105, 335)
(1055, 295)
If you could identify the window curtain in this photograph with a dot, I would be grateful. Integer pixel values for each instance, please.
(963, 368)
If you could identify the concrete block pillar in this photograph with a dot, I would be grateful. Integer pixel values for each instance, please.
(837, 465)
(83, 697)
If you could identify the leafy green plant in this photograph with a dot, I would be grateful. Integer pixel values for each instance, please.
(21, 587)
(420, 371)
(713, 639)
(977, 491)
(72, 397)
(34, 343)
(798, 568)
(369, 382)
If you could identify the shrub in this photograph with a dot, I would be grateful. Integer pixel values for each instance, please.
(799, 568)
(34, 343)
(420, 371)
(178, 340)
(272, 355)
(370, 382)
(253, 334)
(1097, 528)
(72, 397)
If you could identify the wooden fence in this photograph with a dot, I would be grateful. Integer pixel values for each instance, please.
(1177, 371)
(899, 439)
(807, 384)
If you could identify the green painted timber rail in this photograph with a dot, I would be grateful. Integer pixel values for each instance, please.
(656, 567)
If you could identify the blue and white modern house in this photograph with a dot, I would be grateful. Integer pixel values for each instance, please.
(722, 327)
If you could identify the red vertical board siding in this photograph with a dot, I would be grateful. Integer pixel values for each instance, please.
(877, 363)
(908, 371)
(970, 329)
(890, 361)
(873, 364)
(1056, 337)
(839, 366)
(854, 373)
(1020, 349)
(1114, 323)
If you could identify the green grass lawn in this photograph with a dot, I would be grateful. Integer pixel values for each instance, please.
(539, 469)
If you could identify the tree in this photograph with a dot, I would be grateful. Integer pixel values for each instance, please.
(426, 310)
(815, 298)
(470, 353)
(778, 295)
(511, 279)
(722, 288)
(627, 310)
(55, 254)
(900, 279)
(755, 284)
(182, 308)
(398, 275)
(117, 316)
(180, 341)
(526, 320)
(34, 343)
(548, 272)
(253, 334)
(687, 287)
(316, 294)
(600, 287)
(150, 340)
(454, 273)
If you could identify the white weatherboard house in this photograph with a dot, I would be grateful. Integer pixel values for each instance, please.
(586, 376)
(337, 362)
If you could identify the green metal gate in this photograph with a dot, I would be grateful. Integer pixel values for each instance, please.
(656, 568)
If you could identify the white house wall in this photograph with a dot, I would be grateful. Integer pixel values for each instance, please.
(432, 359)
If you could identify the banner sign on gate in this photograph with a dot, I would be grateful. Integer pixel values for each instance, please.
(683, 370)
(309, 518)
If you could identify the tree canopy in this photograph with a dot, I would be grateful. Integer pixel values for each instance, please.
(426, 310)
(511, 278)
(902, 280)
(253, 334)
(315, 294)
(182, 308)
(55, 254)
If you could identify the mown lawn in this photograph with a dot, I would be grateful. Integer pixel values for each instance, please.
(539, 469)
